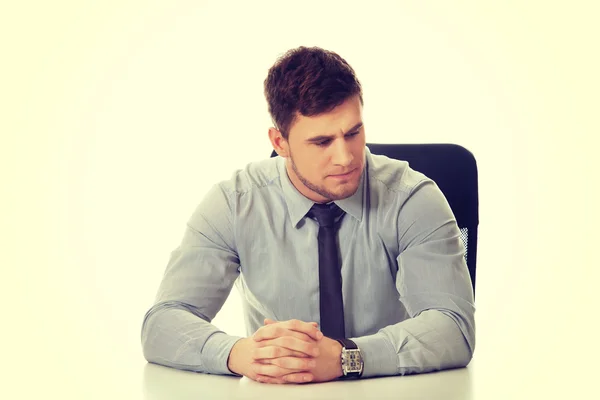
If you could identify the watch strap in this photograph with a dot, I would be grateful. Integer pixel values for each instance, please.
(347, 344)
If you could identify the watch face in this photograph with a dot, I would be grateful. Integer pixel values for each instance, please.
(352, 360)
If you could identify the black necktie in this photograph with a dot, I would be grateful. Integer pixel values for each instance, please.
(330, 274)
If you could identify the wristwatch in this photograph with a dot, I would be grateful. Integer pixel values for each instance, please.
(352, 361)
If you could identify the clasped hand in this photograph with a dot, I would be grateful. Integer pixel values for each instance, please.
(287, 352)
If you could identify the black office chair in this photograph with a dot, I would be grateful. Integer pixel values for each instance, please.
(454, 170)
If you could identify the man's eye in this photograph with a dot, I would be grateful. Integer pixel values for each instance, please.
(324, 143)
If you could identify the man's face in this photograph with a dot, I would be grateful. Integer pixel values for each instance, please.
(325, 153)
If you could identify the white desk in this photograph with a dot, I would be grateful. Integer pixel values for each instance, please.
(493, 375)
(162, 383)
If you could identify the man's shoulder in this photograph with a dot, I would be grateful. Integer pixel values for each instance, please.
(395, 176)
(255, 175)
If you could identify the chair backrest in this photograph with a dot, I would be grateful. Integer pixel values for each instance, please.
(454, 169)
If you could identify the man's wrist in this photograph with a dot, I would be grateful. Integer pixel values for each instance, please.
(338, 359)
(216, 351)
(233, 358)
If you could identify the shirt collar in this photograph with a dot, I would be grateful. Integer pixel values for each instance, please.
(298, 205)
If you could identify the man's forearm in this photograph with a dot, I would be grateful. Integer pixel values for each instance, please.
(428, 342)
(175, 335)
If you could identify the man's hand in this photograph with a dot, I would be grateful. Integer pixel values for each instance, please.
(294, 344)
(271, 367)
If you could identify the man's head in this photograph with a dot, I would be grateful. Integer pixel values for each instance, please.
(315, 101)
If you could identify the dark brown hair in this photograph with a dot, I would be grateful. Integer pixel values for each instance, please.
(309, 81)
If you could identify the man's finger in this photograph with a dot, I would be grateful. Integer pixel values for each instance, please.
(293, 363)
(292, 343)
(273, 330)
(269, 352)
(271, 370)
(305, 327)
(299, 377)
(269, 321)
(269, 379)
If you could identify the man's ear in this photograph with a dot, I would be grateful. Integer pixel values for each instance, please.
(279, 143)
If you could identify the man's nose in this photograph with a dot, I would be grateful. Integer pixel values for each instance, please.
(341, 153)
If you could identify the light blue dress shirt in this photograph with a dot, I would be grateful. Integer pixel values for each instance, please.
(408, 299)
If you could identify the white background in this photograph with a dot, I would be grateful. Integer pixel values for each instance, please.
(117, 116)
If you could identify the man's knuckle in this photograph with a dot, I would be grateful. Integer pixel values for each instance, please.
(262, 370)
(258, 369)
(292, 363)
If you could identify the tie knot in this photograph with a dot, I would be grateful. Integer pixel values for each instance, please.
(325, 214)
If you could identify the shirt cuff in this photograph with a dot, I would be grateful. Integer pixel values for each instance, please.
(378, 354)
(215, 353)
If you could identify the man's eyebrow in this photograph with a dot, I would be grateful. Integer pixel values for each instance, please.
(320, 138)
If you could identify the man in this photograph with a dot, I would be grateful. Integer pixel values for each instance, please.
(349, 264)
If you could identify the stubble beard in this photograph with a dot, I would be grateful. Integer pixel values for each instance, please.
(320, 190)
